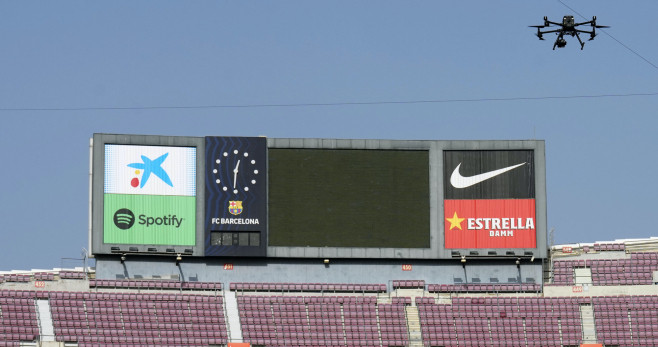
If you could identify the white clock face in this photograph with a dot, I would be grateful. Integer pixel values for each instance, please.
(240, 171)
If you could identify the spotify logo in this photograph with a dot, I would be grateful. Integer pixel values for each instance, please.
(124, 219)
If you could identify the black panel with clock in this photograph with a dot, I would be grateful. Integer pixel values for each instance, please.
(236, 196)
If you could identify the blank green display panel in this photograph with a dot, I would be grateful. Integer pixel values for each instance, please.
(349, 198)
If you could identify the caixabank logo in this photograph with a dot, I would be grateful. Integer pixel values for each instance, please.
(149, 195)
(150, 170)
(489, 199)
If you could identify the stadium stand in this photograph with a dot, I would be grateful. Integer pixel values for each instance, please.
(138, 319)
(322, 321)
(635, 270)
(508, 321)
(19, 319)
(601, 293)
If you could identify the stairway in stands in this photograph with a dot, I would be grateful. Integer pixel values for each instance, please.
(45, 320)
(413, 323)
(589, 328)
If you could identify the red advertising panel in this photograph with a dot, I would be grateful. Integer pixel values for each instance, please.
(501, 223)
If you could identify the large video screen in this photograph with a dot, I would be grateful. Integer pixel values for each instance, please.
(149, 195)
(349, 198)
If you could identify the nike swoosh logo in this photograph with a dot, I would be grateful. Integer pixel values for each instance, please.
(459, 181)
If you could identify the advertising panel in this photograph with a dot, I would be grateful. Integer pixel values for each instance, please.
(489, 199)
(505, 223)
(236, 196)
(149, 195)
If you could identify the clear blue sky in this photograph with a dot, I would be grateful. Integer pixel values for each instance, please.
(69, 69)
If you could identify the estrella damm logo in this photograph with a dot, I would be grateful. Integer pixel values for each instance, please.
(235, 207)
(124, 219)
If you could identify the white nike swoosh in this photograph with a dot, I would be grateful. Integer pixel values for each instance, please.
(459, 181)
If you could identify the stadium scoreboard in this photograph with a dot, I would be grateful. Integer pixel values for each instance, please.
(222, 196)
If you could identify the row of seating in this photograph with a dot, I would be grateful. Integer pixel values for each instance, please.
(289, 299)
(15, 278)
(408, 284)
(154, 284)
(72, 275)
(603, 247)
(42, 276)
(481, 288)
(308, 287)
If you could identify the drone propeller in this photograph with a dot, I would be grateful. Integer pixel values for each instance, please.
(546, 23)
(594, 27)
(597, 26)
(538, 34)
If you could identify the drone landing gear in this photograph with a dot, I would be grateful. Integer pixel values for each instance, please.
(582, 44)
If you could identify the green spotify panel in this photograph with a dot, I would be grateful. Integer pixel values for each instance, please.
(149, 219)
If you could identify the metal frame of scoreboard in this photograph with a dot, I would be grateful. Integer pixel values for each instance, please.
(473, 221)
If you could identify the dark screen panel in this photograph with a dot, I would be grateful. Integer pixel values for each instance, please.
(348, 198)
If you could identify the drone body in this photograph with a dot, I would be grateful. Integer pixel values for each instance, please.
(567, 27)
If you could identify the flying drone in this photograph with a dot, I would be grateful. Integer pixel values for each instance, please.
(568, 27)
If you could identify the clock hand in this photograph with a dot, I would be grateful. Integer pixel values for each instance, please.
(235, 173)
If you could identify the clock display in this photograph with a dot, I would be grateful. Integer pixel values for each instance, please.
(243, 169)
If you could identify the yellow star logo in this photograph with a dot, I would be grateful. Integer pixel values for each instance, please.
(455, 221)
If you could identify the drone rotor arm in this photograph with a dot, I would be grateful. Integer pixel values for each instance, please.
(592, 34)
(540, 33)
(551, 31)
(583, 23)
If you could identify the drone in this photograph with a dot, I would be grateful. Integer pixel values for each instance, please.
(568, 27)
